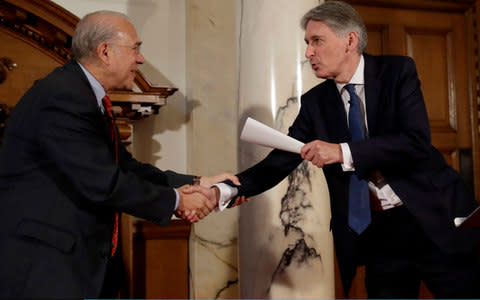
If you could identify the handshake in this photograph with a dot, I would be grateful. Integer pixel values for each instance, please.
(197, 201)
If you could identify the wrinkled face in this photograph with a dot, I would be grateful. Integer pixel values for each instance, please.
(125, 56)
(327, 53)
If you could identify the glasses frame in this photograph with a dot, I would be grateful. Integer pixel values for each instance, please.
(136, 47)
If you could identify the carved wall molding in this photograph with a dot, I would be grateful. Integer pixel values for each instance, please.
(49, 27)
(24, 20)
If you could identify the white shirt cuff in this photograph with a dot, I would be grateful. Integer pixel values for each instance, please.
(347, 164)
(227, 193)
(177, 199)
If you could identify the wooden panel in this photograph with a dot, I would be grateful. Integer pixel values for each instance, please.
(433, 69)
(31, 65)
(160, 260)
(166, 274)
(377, 38)
(440, 51)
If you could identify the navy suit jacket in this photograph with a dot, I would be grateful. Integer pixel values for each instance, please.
(398, 146)
(60, 187)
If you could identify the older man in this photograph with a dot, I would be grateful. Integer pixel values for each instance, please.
(64, 177)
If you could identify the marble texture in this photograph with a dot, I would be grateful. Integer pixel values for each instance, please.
(212, 140)
(286, 249)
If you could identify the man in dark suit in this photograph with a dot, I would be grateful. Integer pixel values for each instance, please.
(64, 177)
(405, 230)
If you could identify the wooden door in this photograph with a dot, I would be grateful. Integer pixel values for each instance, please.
(439, 36)
(438, 41)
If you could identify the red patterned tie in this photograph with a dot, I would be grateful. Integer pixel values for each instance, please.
(107, 105)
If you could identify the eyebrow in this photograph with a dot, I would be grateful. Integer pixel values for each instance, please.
(311, 38)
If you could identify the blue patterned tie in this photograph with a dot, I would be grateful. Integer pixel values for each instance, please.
(359, 197)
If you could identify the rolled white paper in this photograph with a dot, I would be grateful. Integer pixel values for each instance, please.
(259, 133)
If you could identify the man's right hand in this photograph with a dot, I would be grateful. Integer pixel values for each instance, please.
(196, 206)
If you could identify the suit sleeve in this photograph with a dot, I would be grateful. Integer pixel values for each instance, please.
(277, 164)
(406, 141)
(72, 136)
(151, 173)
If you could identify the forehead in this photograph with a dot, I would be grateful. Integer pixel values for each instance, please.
(126, 30)
(317, 28)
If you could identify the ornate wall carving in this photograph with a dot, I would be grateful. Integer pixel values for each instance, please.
(48, 28)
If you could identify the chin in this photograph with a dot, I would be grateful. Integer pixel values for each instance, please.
(128, 86)
(324, 75)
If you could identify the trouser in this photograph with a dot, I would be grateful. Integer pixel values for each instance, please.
(114, 277)
(398, 255)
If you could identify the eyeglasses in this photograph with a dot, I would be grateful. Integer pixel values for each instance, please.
(135, 48)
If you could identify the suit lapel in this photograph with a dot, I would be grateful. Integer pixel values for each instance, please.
(74, 67)
(372, 93)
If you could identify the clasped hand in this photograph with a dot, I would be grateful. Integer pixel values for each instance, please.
(197, 201)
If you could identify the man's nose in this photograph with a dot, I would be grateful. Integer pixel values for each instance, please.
(309, 52)
(140, 59)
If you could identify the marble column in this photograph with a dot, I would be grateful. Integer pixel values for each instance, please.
(211, 71)
(285, 246)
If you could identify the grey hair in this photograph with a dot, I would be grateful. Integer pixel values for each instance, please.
(91, 31)
(341, 18)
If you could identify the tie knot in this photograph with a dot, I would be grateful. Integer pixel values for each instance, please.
(350, 88)
(107, 104)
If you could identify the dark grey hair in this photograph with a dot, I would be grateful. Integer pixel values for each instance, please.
(341, 18)
(91, 31)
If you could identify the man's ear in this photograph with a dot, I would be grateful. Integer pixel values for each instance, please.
(104, 53)
(352, 41)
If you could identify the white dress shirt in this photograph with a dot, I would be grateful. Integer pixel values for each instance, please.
(388, 198)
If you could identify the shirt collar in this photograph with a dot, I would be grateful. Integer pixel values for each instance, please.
(97, 87)
(357, 78)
